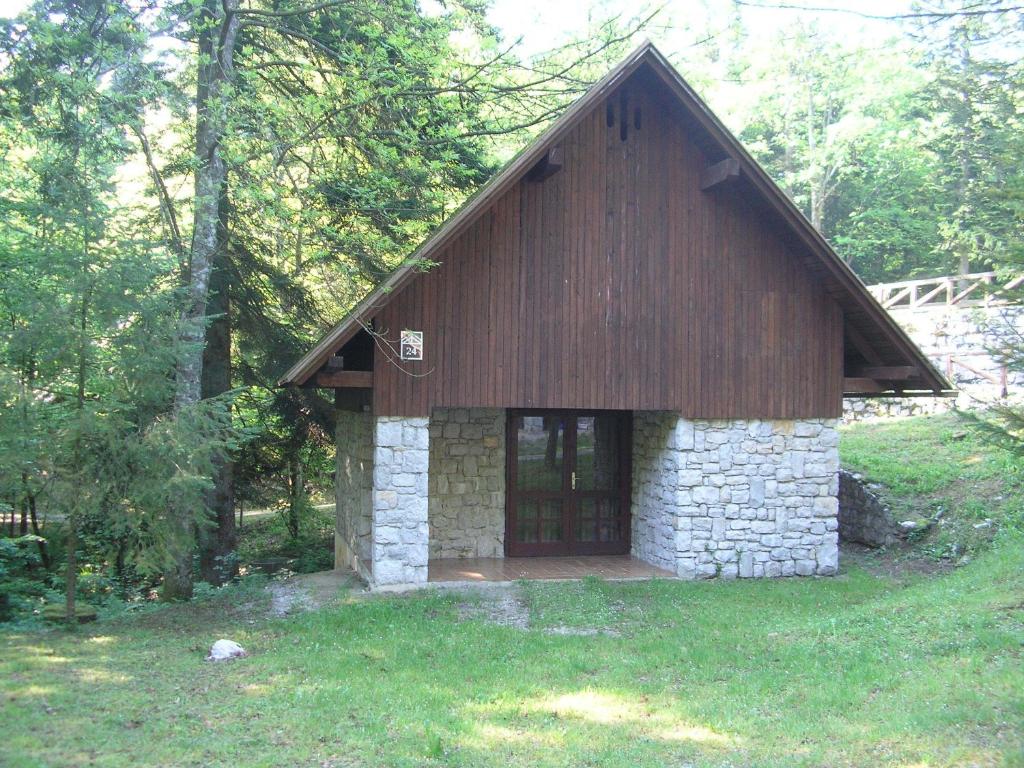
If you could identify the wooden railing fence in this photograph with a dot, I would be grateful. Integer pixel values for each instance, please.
(977, 289)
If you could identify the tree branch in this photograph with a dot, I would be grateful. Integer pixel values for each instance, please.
(164, 198)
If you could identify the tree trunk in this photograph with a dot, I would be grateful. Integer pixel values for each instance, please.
(296, 490)
(217, 545)
(219, 30)
(817, 202)
(966, 147)
(817, 208)
(30, 503)
(120, 568)
(71, 571)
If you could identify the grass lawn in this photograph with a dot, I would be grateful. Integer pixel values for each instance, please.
(852, 670)
(868, 668)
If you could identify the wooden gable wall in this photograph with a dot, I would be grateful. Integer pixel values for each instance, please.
(617, 283)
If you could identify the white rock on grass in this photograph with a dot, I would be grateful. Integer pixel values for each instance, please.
(223, 650)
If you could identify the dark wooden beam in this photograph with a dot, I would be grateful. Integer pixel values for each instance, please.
(725, 172)
(885, 372)
(355, 399)
(860, 386)
(861, 345)
(547, 166)
(338, 379)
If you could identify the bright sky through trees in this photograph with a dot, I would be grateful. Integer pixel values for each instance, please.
(543, 24)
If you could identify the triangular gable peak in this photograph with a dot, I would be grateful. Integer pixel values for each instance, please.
(638, 200)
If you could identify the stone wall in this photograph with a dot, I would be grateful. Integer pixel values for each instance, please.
(467, 482)
(400, 532)
(968, 397)
(710, 498)
(658, 441)
(736, 498)
(353, 490)
(863, 518)
(964, 334)
(867, 408)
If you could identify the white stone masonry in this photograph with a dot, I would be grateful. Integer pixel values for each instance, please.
(401, 462)
(736, 498)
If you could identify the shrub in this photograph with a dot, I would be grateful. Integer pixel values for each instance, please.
(19, 586)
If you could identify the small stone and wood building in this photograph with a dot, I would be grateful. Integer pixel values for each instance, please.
(630, 343)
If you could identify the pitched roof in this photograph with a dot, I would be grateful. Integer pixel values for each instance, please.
(859, 306)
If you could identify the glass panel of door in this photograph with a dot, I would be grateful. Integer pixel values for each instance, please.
(567, 483)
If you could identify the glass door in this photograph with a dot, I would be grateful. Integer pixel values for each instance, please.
(567, 483)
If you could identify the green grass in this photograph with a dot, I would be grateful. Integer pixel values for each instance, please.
(933, 465)
(855, 670)
(864, 669)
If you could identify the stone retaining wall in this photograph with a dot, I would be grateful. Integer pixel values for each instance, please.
(467, 482)
(863, 518)
(867, 408)
(736, 498)
(964, 334)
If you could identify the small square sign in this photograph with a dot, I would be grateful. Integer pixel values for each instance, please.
(412, 345)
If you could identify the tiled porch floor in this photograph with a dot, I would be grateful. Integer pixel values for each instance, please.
(512, 568)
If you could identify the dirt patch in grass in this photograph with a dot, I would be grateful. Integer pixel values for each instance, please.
(580, 631)
(252, 600)
(307, 592)
(507, 605)
(226, 606)
(902, 563)
(503, 605)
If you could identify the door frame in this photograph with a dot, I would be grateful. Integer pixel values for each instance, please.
(570, 495)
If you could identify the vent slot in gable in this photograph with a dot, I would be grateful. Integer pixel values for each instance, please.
(623, 112)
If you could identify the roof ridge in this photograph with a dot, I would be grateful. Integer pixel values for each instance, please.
(529, 155)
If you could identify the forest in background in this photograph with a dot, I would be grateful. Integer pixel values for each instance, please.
(191, 192)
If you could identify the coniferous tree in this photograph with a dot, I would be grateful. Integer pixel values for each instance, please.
(86, 292)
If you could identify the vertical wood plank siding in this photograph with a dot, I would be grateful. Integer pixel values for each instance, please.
(616, 283)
